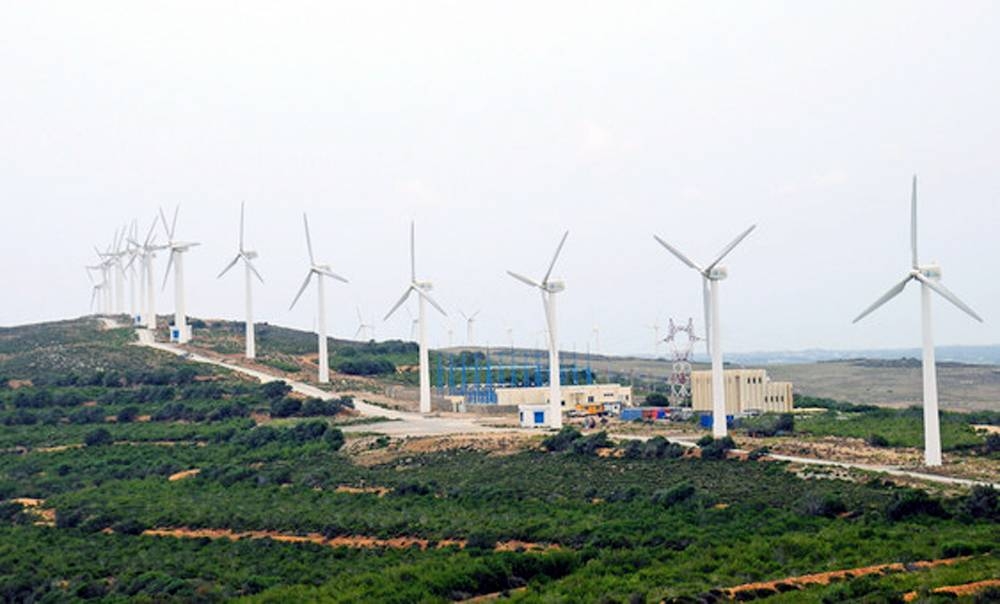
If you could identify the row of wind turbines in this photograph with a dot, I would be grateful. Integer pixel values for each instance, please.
(126, 245)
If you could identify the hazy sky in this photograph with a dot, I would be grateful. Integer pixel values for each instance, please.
(497, 125)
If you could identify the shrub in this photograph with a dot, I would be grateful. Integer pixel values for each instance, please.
(992, 444)
(334, 438)
(758, 453)
(128, 414)
(275, 390)
(716, 448)
(588, 445)
(656, 399)
(912, 503)
(982, 502)
(673, 495)
(98, 438)
(877, 440)
(562, 440)
(826, 507)
(286, 407)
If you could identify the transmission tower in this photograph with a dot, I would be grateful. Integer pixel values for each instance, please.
(681, 339)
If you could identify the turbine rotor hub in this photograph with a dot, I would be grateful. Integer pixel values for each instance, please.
(931, 271)
(554, 287)
(718, 273)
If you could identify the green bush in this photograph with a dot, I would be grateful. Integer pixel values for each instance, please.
(913, 503)
(877, 440)
(98, 438)
(673, 495)
(716, 448)
(563, 440)
(982, 502)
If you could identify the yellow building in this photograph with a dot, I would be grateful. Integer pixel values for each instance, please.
(747, 390)
(573, 396)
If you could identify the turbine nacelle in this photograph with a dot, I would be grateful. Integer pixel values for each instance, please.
(931, 271)
(554, 287)
(717, 273)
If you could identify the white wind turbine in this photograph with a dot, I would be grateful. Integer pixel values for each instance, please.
(422, 289)
(247, 256)
(929, 276)
(549, 290)
(320, 270)
(655, 326)
(181, 333)
(711, 275)
(366, 331)
(146, 251)
(470, 322)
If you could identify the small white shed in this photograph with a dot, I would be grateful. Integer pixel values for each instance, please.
(533, 416)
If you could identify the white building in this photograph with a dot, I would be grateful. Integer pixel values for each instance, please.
(747, 391)
(533, 416)
(574, 397)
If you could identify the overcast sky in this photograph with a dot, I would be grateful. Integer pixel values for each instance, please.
(497, 126)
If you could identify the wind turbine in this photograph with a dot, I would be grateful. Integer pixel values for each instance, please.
(549, 290)
(181, 332)
(247, 256)
(364, 328)
(414, 324)
(710, 277)
(146, 252)
(320, 270)
(422, 289)
(470, 321)
(929, 276)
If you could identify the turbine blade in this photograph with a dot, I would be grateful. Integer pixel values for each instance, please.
(476, 313)
(305, 221)
(332, 275)
(427, 297)
(677, 253)
(360, 320)
(730, 247)
(463, 314)
(93, 296)
(402, 299)
(163, 219)
(555, 257)
(413, 253)
(242, 211)
(706, 302)
(358, 332)
(173, 223)
(229, 266)
(305, 284)
(913, 223)
(523, 279)
(889, 295)
(166, 273)
(253, 269)
(152, 228)
(947, 295)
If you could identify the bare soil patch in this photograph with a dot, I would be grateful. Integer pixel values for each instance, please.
(968, 589)
(184, 474)
(352, 541)
(499, 443)
(769, 588)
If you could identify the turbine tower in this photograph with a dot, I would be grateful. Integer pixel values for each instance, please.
(710, 276)
(320, 270)
(247, 256)
(929, 276)
(422, 289)
(181, 333)
(549, 290)
(365, 330)
(470, 322)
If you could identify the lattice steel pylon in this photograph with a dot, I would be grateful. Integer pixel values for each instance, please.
(680, 352)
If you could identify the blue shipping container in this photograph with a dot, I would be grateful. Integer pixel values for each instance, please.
(631, 414)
